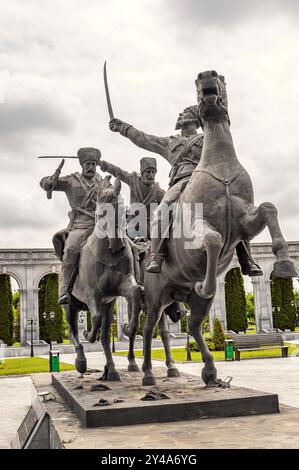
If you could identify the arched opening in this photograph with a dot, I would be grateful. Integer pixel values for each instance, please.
(52, 322)
(10, 310)
(285, 303)
(235, 301)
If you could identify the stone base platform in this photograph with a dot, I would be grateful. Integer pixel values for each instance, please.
(187, 399)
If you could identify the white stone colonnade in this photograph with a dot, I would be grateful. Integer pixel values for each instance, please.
(29, 266)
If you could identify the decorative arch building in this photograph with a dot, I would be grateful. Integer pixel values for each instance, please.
(28, 266)
(263, 256)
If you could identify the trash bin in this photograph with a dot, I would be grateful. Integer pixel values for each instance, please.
(54, 361)
(229, 350)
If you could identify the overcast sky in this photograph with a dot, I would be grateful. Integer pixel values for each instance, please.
(53, 102)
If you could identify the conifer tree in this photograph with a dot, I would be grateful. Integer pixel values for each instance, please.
(50, 305)
(6, 311)
(235, 301)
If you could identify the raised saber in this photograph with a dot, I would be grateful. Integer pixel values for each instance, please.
(110, 110)
(58, 156)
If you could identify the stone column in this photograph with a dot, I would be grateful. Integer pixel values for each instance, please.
(174, 328)
(122, 315)
(31, 307)
(262, 303)
(82, 325)
(218, 309)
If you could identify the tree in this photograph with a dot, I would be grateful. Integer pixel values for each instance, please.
(250, 312)
(50, 305)
(218, 336)
(43, 326)
(235, 301)
(288, 303)
(16, 308)
(283, 303)
(6, 311)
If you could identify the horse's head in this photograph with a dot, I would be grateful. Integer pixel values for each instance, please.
(111, 215)
(211, 96)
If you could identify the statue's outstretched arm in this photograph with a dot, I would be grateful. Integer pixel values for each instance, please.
(114, 170)
(55, 182)
(145, 141)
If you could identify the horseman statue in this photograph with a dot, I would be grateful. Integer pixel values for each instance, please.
(183, 152)
(81, 190)
(145, 193)
(144, 190)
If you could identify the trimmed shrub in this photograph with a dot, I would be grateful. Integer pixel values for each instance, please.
(218, 335)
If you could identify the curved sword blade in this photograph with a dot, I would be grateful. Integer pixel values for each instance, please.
(110, 110)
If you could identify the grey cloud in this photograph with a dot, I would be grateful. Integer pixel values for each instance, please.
(16, 118)
(226, 13)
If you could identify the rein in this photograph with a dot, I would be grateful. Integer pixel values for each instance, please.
(226, 181)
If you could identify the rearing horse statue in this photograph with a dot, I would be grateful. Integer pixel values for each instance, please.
(229, 215)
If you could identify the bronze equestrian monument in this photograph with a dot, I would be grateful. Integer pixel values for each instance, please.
(207, 215)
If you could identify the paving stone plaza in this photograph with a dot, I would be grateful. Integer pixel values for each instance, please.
(274, 431)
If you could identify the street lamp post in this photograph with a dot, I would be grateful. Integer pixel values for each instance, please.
(113, 340)
(189, 358)
(31, 338)
(31, 323)
(48, 319)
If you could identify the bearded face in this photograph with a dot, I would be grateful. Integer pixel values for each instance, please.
(148, 176)
(89, 169)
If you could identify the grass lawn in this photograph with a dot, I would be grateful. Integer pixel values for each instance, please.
(180, 354)
(28, 365)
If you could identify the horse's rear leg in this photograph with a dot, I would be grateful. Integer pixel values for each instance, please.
(199, 310)
(152, 318)
(133, 313)
(255, 222)
(71, 312)
(110, 373)
(172, 371)
(212, 242)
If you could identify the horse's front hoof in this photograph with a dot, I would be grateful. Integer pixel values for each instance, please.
(173, 372)
(202, 292)
(81, 365)
(113, 376)
(284, 269)
(209, 373)
(148, 379)
(133, 368)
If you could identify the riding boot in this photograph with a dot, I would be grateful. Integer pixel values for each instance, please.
(66, 276)
(157, 256)
(158, 253)
(248, 266)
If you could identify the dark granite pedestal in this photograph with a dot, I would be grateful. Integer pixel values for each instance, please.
(122, 403)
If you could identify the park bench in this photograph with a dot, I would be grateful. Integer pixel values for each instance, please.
(260, 341)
